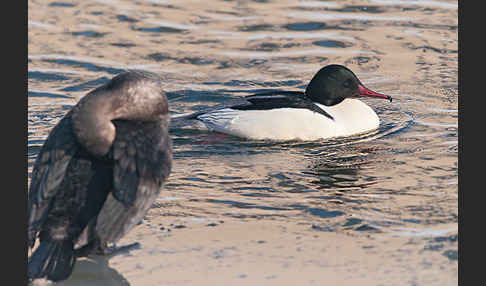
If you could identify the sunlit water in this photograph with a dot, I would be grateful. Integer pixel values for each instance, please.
(400, 179)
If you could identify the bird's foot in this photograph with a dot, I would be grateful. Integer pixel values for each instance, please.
(87, 249)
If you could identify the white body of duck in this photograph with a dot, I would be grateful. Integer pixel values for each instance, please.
(328, 108)
(351, 117)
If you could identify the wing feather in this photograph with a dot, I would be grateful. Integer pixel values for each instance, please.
(280, 99)
(142, 161)
(48, 172)
(140, 151)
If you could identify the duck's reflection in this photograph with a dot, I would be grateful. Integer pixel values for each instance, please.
(94, 270)
(343, 172)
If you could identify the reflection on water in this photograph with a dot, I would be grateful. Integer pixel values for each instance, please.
(399, 180)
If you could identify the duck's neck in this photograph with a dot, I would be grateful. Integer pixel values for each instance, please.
(327, 101)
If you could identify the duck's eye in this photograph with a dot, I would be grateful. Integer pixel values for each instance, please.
(347, 83)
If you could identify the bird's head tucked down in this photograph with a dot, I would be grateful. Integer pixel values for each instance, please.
(134, 95)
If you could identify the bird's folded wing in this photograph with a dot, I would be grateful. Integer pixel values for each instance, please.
(280, 99)
(48, 172)
(141, 157)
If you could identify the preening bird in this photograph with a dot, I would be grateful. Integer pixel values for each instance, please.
(99, 171)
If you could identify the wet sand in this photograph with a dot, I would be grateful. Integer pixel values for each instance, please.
(269, 253)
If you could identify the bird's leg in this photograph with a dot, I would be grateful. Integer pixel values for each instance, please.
(97, 247)
(88, 249)
(115, 250)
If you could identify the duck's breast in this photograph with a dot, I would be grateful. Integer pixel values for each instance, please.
(353, 116)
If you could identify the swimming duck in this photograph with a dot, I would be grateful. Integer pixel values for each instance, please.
(329, 107)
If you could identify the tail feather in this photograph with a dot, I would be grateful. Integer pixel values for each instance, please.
(53, 260)
(187, 122)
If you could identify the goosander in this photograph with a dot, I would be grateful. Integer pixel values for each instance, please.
(328, 108)
(98, 172)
